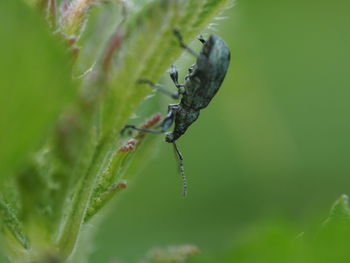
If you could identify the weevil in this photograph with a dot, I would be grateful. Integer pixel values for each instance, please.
(201, 84)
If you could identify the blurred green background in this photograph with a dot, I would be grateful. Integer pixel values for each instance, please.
(273, 145)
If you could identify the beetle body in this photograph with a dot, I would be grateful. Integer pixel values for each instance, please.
(207, 75)
(201, 84)
(203, 81)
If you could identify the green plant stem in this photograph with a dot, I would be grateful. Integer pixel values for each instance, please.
(74, 220)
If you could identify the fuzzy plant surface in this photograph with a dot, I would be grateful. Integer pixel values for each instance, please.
(68, 86)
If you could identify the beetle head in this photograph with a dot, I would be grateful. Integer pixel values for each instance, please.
(169, 137)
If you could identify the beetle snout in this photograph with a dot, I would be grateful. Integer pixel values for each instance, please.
(169, 137)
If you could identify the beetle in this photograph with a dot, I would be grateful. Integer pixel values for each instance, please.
(201, 84)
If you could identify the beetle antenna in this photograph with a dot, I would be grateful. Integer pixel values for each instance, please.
(181, 165)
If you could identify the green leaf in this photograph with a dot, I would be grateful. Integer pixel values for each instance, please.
(340, 212)
(10, 220)
(332, 242)
(34, 83)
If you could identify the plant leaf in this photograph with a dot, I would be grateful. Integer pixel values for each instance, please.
(34, 83)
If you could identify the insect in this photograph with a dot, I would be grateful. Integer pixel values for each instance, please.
(201, 84)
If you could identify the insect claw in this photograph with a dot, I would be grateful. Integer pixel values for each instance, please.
(201, 39)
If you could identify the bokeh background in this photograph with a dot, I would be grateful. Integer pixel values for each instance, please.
(272, 146)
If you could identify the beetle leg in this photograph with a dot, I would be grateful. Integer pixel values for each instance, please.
(183, 45)
(156, 86)
(133, 127)
(175, 76)
(164, 126)
(169, 118)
